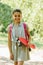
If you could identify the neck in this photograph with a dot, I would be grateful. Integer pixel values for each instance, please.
(16, 23)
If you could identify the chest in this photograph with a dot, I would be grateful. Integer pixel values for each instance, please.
(17, 30)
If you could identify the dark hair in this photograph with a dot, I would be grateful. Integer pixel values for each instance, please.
(17, 10)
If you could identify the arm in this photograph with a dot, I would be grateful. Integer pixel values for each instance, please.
(28, 33)
(29, 37)
(10, 46)
(9, 43)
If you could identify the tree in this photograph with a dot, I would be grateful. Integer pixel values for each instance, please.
(5, 15)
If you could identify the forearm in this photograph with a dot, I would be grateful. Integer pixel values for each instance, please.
(10, 46)
(29, 38)
(9, 43)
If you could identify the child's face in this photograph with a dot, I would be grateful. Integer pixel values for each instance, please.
(17, 17)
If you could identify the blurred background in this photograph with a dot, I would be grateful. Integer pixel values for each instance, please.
(32, 11)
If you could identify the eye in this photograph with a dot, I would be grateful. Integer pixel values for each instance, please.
(15, 15)
(18, 15)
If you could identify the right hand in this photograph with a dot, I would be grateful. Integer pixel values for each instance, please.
(11, 56)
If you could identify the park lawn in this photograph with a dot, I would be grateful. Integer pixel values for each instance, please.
(3, 39)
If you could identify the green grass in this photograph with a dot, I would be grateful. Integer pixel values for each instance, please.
(3, 42)
(38, 44)
(3, 34)
(3, 38)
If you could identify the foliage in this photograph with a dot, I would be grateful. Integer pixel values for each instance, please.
(32, 14)
(5, 16)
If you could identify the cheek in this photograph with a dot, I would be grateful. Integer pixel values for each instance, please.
(18, 18)
(14, 18)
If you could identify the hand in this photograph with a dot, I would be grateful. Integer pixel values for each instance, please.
(11, 56)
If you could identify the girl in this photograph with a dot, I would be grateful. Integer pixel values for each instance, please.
(17, 53)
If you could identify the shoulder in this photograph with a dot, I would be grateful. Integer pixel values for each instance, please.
(25, 25)
(9, 27)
